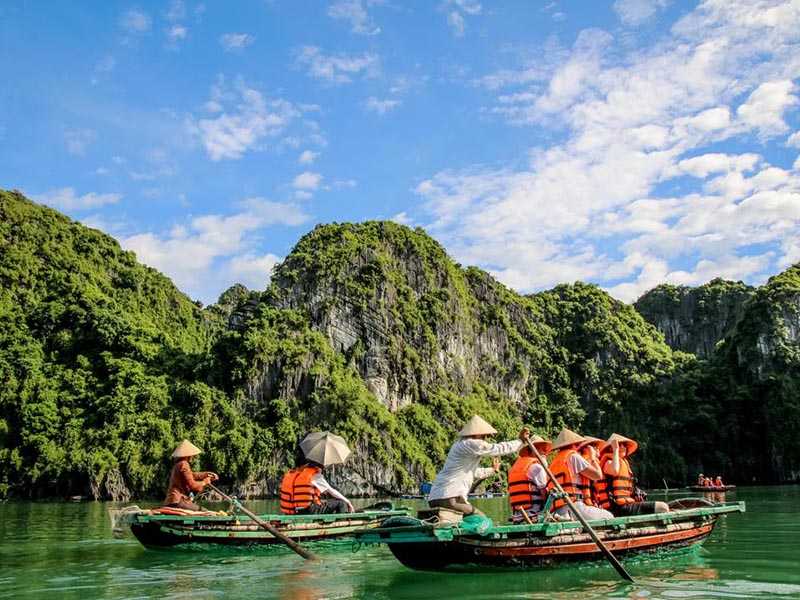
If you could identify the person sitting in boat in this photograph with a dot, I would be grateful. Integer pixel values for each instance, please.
(462, 467)
(718, 482)
(616, 493)
(707, 482)
(304, 489)
(570, 469)
(701, 480)
(590, 449)
(183, 481)
(527, 481)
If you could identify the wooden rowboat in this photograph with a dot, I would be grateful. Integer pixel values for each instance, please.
(424, 546)
(158, 530)
(712, 488)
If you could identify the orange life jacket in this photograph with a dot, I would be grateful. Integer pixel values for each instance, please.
(297, 491)
(600, 486)
(522, 492)
(560, 470)
(619, 488)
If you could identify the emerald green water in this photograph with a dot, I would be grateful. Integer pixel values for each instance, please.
(62, 550)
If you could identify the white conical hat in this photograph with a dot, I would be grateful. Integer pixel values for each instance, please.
(325, 448)
(542, 445)
(477, 426)
(567, 438)
(186, 449)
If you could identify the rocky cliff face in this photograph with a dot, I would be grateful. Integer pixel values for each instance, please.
(695, 320)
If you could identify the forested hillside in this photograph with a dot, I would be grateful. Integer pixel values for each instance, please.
(372, 331)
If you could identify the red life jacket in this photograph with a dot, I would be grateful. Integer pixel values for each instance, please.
(297, 491)
(560, 470)
(522, 492)
(600, 486)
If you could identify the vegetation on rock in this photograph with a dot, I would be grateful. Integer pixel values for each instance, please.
(372, 331)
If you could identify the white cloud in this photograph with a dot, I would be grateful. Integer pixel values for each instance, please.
(636, 12)
(136, 21)
(307, 157)
(402, 218)
(208, 253)
(231, 42)
(243, 119)
(79, 140)
(456, 9)
(176, 33)
(381, 107)
(176, 11)
(356, 14)
(66, 199)
(307, 181)
(337, 68)
(252, 270)
(765, 107)
(600, 203)
(794, 140)
(105, 64)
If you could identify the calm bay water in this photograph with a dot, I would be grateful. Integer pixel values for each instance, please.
(62, 550)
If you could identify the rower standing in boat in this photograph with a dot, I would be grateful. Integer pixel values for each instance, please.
(462, 467)
(303, 488)
(527, 481)
(617, 489)
(183, 481)
(571, 469)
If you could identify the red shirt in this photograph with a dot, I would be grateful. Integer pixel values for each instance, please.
(182, 481)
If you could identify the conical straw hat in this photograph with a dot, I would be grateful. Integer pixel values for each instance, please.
(325, 448)
(596, 442)
(566, 438)
(542, 445)
(186, 449)
(477, 426)
(632, 446)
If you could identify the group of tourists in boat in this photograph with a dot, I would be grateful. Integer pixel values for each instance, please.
(596, 474)
(703, 481)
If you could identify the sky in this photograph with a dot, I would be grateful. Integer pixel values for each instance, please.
(625, 143)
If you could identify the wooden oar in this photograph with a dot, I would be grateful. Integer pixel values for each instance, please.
(606, 552)
(289, 542)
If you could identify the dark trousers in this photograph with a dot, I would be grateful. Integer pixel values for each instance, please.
(326, 507)
(635, 508)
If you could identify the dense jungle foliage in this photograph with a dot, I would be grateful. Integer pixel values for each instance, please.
(372, 331)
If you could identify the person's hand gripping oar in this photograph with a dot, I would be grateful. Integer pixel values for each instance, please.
(277, 534)
(606, 552)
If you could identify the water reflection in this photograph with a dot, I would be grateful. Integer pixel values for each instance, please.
(67, 551)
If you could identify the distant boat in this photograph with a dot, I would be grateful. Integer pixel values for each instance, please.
(711, 488)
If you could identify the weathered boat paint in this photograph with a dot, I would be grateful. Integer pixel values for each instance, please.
(424, 546)
(160, 531)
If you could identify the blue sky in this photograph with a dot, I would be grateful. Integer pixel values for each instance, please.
(625, 143)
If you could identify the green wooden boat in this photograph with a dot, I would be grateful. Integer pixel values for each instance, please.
(431, 546)
(170, 530)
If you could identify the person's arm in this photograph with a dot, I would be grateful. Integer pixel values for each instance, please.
(189, 480)
(582, 467)
(615, 464)
(324, 487)
(538, 475)
(482, 448)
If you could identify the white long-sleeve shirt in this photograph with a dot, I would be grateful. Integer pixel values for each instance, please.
(462, 466)
(323, 486)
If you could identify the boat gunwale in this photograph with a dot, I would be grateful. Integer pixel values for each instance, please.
(451, 532)
(145, 517)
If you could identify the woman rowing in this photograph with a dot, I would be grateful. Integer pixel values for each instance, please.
(462, 467)
(183, 482)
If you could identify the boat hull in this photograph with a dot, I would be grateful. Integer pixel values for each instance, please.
(439, 546)
(705, 488)
(463, 554)
(173, 531)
